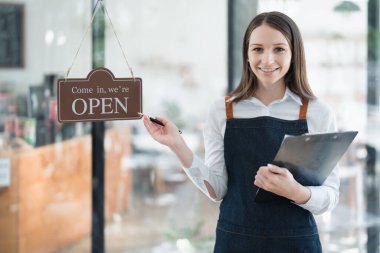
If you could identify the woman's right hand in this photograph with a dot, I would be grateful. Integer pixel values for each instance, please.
(166, 135)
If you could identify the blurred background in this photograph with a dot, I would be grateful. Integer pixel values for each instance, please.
(188, 53)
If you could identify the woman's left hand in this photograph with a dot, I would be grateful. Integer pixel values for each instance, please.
(281, 182)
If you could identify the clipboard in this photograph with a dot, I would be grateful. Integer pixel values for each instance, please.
(310, 158)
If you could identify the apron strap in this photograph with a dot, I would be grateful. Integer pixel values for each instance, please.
(303, 108)
(229, 112)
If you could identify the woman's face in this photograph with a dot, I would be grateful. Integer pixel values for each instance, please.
(269, 55)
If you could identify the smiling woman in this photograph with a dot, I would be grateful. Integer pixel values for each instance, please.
(272, 50)
(243, 132)
(188, 66)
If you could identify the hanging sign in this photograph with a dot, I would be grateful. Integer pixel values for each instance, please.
(99, 97)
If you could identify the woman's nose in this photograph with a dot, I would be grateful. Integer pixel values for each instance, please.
(268, 58)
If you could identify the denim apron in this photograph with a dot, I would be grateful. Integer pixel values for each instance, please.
(245, 226)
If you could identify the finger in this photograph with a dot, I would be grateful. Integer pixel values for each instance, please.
(275, 169)
(147, 126)
(264, 173)
(146, 121)
(262, 170)
(152, 126)
(163, 120)
(261, 177)
(261, 184)
(258, 182)
(268, 184)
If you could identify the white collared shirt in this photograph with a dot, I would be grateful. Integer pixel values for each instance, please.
(320, 118)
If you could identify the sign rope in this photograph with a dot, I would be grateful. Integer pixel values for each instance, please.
(95, 10)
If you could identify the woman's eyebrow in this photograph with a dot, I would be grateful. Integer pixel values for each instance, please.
(275, 44)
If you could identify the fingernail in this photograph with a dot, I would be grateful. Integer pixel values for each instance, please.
(270, 165)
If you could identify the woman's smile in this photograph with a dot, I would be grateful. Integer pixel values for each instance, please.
(268, 71)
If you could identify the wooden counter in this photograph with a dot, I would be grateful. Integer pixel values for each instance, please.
(48, 204)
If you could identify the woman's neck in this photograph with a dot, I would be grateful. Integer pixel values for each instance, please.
(268, 94)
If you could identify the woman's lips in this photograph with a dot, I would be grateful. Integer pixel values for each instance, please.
(268, 71)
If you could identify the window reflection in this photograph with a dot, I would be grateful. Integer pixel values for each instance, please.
(180, 51)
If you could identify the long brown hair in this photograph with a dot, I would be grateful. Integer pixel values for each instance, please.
(296, 77)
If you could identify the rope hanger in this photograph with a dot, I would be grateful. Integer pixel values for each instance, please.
(95, 10)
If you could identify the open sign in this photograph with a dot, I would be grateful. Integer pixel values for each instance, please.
(99, 97)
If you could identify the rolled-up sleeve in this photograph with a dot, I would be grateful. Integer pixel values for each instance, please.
(213, 170)
(325, 197)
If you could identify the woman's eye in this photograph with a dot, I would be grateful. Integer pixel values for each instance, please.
(279, 49)
(257, 49)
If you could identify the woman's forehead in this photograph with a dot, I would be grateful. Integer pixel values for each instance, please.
(266, 35)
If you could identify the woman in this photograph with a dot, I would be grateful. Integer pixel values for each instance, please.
(242, 135)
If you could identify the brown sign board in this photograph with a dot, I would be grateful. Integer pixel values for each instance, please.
(99, 97)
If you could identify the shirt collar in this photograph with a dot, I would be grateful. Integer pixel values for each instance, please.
(288, 94)
(292, 95)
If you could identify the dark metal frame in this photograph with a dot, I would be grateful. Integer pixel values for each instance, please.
(240, 13)
(97, 133)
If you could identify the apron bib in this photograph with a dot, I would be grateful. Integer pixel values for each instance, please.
(247, 226)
